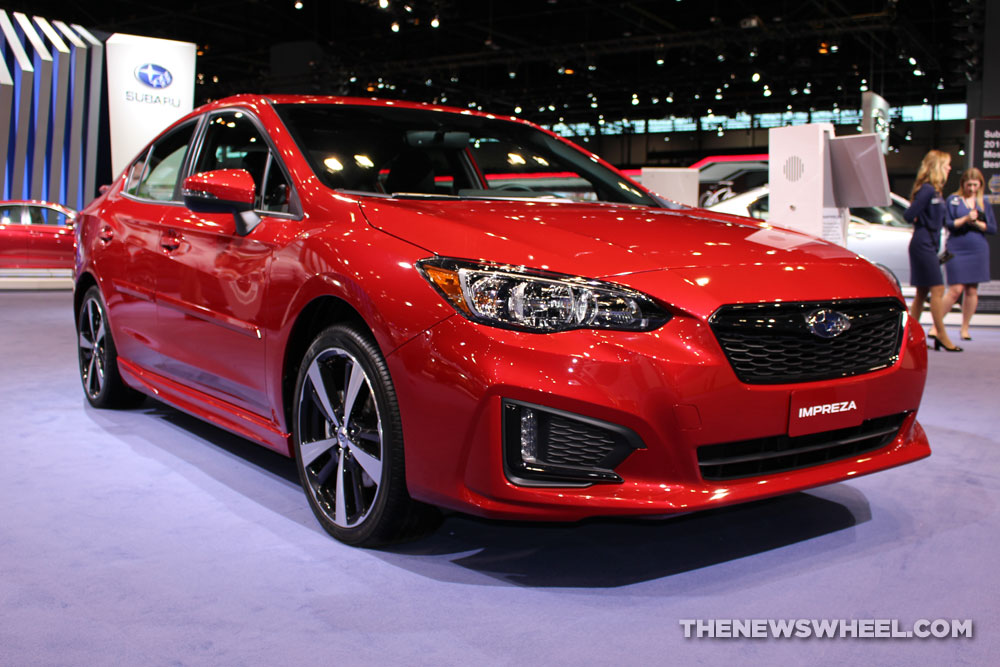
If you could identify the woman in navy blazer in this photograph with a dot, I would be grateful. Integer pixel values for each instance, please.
(969, 219)
(927, 215)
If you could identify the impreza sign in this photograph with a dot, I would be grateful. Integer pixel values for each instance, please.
(150, 85)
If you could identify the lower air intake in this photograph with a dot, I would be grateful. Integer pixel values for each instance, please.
(764, 456)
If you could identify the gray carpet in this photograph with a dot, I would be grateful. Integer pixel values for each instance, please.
(147, 537)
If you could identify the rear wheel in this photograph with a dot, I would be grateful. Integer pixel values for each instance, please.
(102, 384)
(349, 443)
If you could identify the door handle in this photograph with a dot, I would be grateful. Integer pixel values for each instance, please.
(106, 233)
(170, 241)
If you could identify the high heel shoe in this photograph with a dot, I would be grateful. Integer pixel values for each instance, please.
(939, 345)
(966, 337)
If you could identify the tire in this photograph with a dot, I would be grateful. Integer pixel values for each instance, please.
(348, 442)
(102, 383)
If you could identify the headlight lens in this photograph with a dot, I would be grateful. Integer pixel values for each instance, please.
(516, 298)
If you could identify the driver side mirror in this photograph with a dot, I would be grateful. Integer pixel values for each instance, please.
(224, 191)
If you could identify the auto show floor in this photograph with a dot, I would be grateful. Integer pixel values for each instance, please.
(147, 537)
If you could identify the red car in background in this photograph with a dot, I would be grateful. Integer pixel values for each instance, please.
(431, 307)
(36, 235)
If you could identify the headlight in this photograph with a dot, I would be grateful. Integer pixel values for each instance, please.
(516, 298)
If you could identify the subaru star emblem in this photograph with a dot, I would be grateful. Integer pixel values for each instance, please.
(154, 76)
(827, 323)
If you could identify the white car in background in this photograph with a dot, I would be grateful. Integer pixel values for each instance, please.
(878, 233)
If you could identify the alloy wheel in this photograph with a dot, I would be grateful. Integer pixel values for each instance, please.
(340, 437)
(93, 347)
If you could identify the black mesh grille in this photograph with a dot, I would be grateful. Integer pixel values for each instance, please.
(576, 443)
(771, 343)
(763, 456)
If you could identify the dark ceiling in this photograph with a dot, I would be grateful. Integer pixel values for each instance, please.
(568, 59)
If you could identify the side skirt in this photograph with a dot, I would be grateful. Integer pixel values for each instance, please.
(224, 415)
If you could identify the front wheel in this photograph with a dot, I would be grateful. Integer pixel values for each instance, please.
(102, 384)
(349, 442)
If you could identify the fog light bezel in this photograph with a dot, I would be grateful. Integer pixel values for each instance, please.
(537, 472)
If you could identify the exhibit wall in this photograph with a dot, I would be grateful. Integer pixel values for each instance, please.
(51, 77)
(56, 93)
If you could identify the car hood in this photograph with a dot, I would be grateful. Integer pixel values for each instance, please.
(593, 240)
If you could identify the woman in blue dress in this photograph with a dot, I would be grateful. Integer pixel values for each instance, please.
(969, 219)
(927, 215)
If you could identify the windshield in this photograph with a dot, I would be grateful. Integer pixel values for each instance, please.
(397, 151)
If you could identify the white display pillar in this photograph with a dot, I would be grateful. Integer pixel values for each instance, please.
(150, 85)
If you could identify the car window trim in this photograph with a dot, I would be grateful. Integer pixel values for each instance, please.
(149, 149)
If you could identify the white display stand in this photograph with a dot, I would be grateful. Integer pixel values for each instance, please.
(815, 177)
(677, 183)
(150, 85)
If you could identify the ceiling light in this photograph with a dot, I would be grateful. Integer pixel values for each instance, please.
(435, 22)
(756, 77)
(517, 109)
(298, 4)
(395, 26)
(384, 4)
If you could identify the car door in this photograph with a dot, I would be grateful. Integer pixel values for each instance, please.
(50, 237)
(128, 249)
(13, 237)
(211, 289)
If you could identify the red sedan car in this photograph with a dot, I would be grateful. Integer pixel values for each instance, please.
(435, 308)
(36, 235)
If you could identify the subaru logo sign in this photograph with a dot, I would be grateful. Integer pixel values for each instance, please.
(827, 323)
(154, 76)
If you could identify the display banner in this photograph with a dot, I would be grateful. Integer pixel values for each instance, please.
(150, 85)
(985, 156)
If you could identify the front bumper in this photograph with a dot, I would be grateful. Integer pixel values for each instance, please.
(673, 388)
